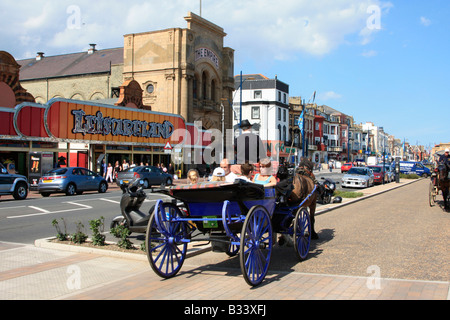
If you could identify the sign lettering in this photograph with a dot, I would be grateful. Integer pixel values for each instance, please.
(97, 124)
(208, 54)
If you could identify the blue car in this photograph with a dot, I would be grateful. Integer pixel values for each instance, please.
(71, 180)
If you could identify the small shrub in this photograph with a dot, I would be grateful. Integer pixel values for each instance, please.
(79, 236)
(98, 226)
(61, 236)
(122, 233)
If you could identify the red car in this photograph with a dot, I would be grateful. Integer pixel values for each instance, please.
(346, 166)
(378, 174)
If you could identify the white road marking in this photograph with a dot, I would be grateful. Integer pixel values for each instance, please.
(39, 209)
(109, 200)
(46, 212)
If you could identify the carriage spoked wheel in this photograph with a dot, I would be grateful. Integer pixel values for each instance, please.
(256, 245)
(302, 233)
(166, 251)
(432, 194)
(233, 248)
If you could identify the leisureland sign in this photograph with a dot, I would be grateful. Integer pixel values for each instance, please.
(98, 124)
(79, 120)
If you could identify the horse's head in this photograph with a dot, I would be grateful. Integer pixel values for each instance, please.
(443, 171)
(283, 172)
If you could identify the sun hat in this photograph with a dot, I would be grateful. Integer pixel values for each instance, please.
(219, 172)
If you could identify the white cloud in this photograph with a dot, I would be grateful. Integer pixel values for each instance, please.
(425, 22)
(330, 95)
(369, 53)
(259, 28)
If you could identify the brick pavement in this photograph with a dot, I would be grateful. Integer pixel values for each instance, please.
(31, 272)
(28, 272)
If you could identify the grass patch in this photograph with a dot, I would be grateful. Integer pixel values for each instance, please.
(348, 194)
(409, 176)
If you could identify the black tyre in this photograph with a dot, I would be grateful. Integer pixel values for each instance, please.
(71, 189)
(102, 187)
(20, 191)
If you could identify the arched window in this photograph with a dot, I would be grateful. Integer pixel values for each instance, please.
(204, 86)
(195, 88)
(213, 90)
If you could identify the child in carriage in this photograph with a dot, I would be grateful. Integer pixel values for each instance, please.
(246, 172)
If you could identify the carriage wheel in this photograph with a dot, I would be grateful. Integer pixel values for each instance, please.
(432, 195)
(165, 250)
(256, 245)
(302, 233)
(232, 249)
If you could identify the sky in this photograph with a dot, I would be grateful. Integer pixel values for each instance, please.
(385, 62)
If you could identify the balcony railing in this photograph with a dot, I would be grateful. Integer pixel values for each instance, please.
(335, 149)
(207, 105)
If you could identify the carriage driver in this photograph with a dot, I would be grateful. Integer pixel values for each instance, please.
(445, 158)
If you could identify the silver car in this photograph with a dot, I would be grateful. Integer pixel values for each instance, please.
(358, 177)
(71, 180)
(150, 175)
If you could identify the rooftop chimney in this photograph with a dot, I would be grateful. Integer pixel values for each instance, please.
(39, 56)
(92, 48)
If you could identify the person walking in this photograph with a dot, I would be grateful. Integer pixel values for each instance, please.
(109, 173)
(116, 170)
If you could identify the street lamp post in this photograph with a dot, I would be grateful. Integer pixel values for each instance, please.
(240, 101)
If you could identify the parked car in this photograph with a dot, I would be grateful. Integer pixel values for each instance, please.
(71, 180)
(150, 175)
(390, 172)
(379, 174)
(13, 184)
(358, 177)
(346, 166)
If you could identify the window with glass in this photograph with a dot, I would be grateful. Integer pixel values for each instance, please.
(255, 112)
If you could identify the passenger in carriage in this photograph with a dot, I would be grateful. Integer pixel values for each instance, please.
(265, 176)
(193, 176)
(226, 166)
(218, 175)
(246, 170)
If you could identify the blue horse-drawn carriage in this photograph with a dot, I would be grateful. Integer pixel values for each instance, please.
(241, 218)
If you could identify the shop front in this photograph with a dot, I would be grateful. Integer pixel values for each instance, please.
(83, 133)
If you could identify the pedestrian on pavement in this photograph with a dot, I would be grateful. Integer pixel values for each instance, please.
(125, 164)
(109, 173)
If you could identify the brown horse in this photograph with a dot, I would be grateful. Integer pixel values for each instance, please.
(303, 187)
(444, 183)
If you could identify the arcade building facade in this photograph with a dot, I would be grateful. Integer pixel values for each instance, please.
(177, 76)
